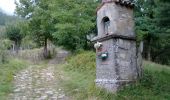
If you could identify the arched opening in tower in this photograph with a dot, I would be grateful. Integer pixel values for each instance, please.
(106, 25)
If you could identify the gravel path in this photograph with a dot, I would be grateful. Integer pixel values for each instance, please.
(39, 83)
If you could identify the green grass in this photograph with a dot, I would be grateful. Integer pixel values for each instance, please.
(7, 71)
(80, 70)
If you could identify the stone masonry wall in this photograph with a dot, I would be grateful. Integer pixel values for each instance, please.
(121, 20)
(120, 67)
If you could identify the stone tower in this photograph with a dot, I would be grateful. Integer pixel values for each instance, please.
(116, 51)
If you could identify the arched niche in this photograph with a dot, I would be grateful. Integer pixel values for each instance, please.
(106, 25)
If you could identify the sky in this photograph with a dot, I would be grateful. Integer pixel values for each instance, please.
(8, 6)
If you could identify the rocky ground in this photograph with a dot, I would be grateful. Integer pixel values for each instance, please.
(39, 82)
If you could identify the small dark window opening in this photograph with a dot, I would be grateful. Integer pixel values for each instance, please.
(106, 25)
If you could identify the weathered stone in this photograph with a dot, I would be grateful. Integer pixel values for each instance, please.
(61, 96)
(116, 34)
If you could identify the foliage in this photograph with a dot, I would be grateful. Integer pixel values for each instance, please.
(6, 76)
(153, 86)
(24, 8)
(39, 20)
(28, 43)
(145, 24)
(60, 20)
(13, 32)
(9, 30)
(151, 18)
(88, 58)
(163, 15)
(80, 85)
(81, 75)
(68, 22)
(73, 21)
(5, 44)
(162, 54)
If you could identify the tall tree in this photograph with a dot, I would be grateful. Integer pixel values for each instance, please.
(146, 25)
(152, 25)
(68, 21)
(73, 21)
(13, 32)
(40, 24)
(163, 21)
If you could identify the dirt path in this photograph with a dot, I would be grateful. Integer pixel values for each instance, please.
(40, 83)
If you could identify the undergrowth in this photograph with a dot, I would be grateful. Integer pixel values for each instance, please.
(80, 68)
(7, 71)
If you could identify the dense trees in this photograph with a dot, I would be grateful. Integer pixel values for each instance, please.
(40, 23)
(145, 24)
(163, 21)
(73, 20)
(152, 20)
(14, 33)
(8, 33)
(68, 22)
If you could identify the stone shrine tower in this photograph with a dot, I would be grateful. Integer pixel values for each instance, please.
(116, 51)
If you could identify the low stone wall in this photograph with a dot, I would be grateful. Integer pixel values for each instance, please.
(32, 55)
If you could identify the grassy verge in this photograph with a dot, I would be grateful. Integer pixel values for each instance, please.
(155, 84)
(7, 71)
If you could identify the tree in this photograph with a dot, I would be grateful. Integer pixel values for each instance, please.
(152, 25)
(146, 28)
(163, 15)
(73, 20)
(40, 23)
(68, 21)
(24, 8)
(13, 32)
(163, 21)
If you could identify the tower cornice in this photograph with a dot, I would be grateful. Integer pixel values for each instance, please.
(126, 3)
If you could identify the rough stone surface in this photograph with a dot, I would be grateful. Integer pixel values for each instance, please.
(123, 64)
(39, 83)
(120, 66)
(116, 1)
(121, 20)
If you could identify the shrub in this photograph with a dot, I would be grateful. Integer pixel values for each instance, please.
(3, 50)
(7, 71)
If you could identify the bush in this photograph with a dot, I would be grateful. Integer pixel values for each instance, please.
(83, 62)
(7, 71)
(3, 50)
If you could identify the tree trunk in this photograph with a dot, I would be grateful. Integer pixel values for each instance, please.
(149, 53)
(45, 48)
(149, 50)
(16, 47)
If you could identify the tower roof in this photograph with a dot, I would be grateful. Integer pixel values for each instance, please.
(121, 2)
(126, 3)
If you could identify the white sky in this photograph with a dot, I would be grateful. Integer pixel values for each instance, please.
(7, 6)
